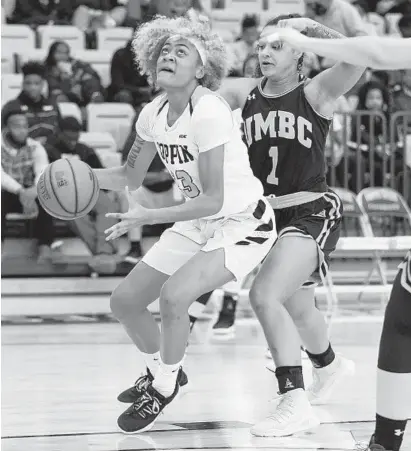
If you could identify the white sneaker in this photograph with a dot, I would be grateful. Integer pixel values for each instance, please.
(291, 415)
(326, 379)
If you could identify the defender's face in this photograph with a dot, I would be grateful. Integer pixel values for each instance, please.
(178, 64)
(277, 59)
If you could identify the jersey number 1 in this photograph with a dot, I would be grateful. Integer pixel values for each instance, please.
(272, 179)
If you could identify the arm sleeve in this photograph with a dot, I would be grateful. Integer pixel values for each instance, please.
(41, 161)
(212, 123)
(144, 121)
(8, 183)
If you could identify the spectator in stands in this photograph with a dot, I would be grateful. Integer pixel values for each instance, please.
(404, 25)
(127, 84)
(251, 66)
(22, 161)
(338, 15)
(245, 46)
(69, 79)
(402, 98)
(91, 227)
(93, 14)
(370, 25)
(371, 134)
(42, 12)
(42, 114)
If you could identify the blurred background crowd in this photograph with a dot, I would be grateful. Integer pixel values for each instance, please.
(70, 89)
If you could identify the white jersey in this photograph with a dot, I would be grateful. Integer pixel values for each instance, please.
(206, 123)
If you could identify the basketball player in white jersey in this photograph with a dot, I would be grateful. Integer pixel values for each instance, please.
(394, 357)
(222, 231)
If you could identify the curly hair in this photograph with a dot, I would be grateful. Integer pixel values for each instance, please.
(150, 38)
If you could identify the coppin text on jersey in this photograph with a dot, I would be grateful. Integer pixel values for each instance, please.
(278, 124)
(175, 153)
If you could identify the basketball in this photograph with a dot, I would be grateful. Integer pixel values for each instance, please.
(68, 189)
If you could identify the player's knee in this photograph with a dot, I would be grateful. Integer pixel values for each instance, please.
(121, 301)
(261, 299)
(173, 301)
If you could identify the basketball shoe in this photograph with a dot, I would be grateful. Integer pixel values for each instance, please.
(224, 327)
(292, 414)
(326, 379)
(140, 386)
(143, 413)
(372, 446)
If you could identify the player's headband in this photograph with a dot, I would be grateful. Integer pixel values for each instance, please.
(196, 42)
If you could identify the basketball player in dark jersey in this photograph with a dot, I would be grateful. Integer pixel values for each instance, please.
(286, 122)
(394, 359)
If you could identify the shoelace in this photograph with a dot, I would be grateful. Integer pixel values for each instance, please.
(284, 409)
(142, 382)
(142, 401)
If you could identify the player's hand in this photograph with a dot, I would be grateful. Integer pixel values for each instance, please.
(290, 36)
(27, 199)
(298, 23)
(136, 216)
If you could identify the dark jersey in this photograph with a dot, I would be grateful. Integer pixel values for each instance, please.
(286, 141)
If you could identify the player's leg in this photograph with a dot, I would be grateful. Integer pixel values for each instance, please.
(329, 370)
(280, 276)
(394, 365)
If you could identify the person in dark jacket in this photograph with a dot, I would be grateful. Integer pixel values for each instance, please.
(42, 114)
(127, 84)
(69, 79)
(89, 228)
(42, 12)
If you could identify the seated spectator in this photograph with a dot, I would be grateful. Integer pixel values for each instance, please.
(127, 84)
(42, 114)
(172, 8)
(89, 228)
(69, 79)
(370, 26)
(42, 12)
(22, 161)
(402, 98)
(251, 67)
(94, 14)
(404, 25)
(370, 134)
(245, 46)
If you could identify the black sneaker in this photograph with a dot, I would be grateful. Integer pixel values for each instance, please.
(142, 414)
(139, 388)
(225, 323)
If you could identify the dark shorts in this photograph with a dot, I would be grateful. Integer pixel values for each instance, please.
(320, 219)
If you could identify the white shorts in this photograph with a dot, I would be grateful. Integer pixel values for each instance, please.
(246, 238)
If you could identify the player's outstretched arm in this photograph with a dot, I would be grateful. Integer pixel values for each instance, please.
(384, 53)
(133, 172)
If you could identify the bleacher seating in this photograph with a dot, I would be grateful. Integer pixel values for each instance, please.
(100, 60)
(104, 145)
(14, 37)
(7, 63)
(23, 56)
(277, 7)
(112, 39)
(244, 6)
(72, 35)
(10, 87)
(115, 118)
(70, 109)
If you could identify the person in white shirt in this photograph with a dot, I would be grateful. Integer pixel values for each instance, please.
(224, 227)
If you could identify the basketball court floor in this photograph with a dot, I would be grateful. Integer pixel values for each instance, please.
(60, 383)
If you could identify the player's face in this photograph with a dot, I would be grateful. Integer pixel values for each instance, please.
(277, 59)
(33, 86)
(374, 100)
(178, 65)
(18, 127)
